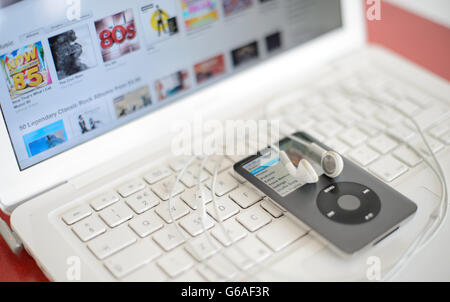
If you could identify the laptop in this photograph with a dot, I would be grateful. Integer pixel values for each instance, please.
(90, 92)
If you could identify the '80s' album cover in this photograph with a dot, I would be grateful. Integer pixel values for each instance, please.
(117, 35)
(25, 69)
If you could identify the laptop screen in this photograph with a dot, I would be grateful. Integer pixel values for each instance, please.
(73, 70)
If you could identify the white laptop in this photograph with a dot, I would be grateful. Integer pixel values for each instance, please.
(90, 94)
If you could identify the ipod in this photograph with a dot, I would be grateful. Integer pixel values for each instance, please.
(349, 212)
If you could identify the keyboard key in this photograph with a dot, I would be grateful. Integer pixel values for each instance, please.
(178, 209)
(255, 249)
(383, 144)
(193, 199)
(278, 205)
(402, 132)
(189, 276)
(112, 242)
(248, 252)
(280, 234)
(363, 155)
(202, 248)
(422, 99)
(168, 238)
(364, 108)
(386, 96)
(224, 184)
(234, 230)
(210, 165)
(407, 156)
(165, 187)
(388, 168)
(318, 136)
(225, 207)
(348, 118)
(271, 208)
(76, 214)
(190, 177)
(147, 273)
(146, 224)
(353, 137)
(236, 157)
(329, 128)
(440, 130)
(178, 163)
(89, 228)
(142, 201)
(408, 107)
(435, 145)
(337, 145)
(245, 196)
(432, 116)
(218, 268)
(176, 263)
(292, 98)
(116, 214)
(193, 223)
(131, 187)
(132, 258)
(375, 123)
(236, 176)
(389, 117)
(369, 128)
(157, 174)
(254, 219)
(446, 138)
(104, 201)
(301, 122)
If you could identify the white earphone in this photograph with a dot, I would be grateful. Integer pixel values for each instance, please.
(330, 161)
(305, 172)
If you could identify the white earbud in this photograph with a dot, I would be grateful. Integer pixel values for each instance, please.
(331, 162)
(305, 172)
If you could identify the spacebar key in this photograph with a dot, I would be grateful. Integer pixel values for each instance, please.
(112, 242)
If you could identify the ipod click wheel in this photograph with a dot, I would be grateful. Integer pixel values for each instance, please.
(349, 203)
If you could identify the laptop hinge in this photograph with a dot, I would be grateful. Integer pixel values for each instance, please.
(10, 209)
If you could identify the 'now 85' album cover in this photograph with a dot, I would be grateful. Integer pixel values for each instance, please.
(25, 69)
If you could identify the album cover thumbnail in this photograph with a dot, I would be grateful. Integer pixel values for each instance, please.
(172, 84)
(25, 69)
(209, 69)
(198, 13)
(273, 42)
(245, 54)
(132, 101)
(234, 6)
(90, 120)
(72, 51)
(117, 35)
(160, 20)
(45, 138)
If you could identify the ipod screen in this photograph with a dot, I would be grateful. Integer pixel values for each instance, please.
(268, 168)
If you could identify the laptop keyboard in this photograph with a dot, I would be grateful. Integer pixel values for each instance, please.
(130, 231)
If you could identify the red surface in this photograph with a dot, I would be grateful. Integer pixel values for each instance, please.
(17, 268)
(418, 39)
